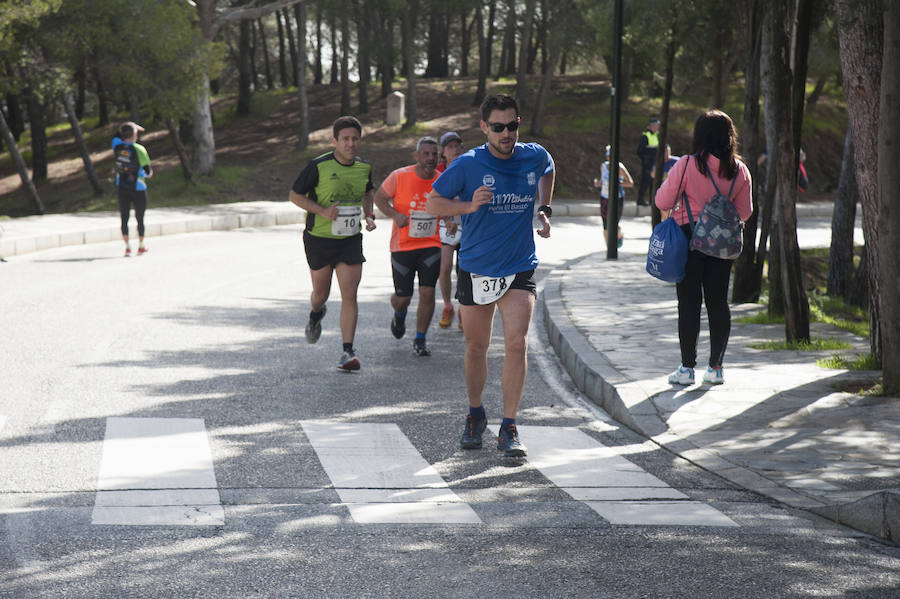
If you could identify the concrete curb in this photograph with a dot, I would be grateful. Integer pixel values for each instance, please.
(591, 207)
(877, 514)
(37, 234)
(81, 229)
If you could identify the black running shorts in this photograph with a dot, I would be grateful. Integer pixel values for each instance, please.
(523, 280)
(425, 261)
(325, 251)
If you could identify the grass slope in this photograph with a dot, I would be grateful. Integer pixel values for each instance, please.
(256, 155)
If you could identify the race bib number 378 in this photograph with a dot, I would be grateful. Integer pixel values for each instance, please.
(486, 290)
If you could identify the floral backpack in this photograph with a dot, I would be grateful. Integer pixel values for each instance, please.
(718, 231)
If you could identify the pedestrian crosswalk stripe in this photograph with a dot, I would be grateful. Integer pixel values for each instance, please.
(157, 471)
(658, 513)
(595, 473)
(381, 477)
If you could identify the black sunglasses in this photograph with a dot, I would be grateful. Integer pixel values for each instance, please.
(499, 127)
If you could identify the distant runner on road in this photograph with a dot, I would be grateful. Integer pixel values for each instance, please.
(415, 242)
(498, 185)
(451, 147)
(334, 189)
(132, 171)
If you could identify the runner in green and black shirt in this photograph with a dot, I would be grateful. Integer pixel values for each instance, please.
(336, 191)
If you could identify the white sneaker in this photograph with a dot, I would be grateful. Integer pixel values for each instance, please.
(682, 376)
(714, 376)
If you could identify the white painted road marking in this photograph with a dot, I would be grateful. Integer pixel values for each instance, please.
(658, 513)
(382, 478)
(592, 472)
(157, 471)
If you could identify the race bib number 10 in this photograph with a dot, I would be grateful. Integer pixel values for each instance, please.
(486, 290)
(347, 222)
(422, 224)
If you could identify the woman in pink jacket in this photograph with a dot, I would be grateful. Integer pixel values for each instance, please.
(714, 155)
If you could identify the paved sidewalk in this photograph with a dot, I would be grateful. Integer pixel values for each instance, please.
(778, 426)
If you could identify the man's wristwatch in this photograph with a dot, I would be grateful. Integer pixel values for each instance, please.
(547, 210)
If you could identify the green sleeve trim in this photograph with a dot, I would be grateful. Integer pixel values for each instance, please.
(143, 156)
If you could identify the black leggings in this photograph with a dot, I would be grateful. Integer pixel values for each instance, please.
(139, 199)
(706, 278)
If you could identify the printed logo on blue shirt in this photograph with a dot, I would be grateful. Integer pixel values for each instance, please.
(488, 180)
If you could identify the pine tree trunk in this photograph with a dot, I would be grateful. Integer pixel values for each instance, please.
(767, 213)
(318, 73)
(385, 47)
(747, 277)
(244, 68)
(345, 58)
(204, 160)
(557, 40)
(36, 118)
(492, 31)
(282, 62)
(270, 83)
(300, 14)
(409, 56)
(434, 65)
(465, 42)
(861, 41)
(335, 51)
(80, 89)
(292, 45)
(482, 56)
(254, 71)
(21, 167)
(671, 48)
(69, 105)
(524, 54)
(796, 306)
(508, 49)
(889, 203)
(363, 27)
(858, 294)
(15, 118)
(179, 149)
(816, 93)
(843, 216)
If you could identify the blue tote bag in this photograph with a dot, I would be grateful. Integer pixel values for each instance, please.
(668, 250)
(667, 254)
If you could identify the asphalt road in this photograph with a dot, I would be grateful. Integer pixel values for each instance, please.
(320, 479)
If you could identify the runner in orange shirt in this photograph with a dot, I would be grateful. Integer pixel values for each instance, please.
(415, 241)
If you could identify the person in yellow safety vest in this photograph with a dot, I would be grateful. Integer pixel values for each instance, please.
(646, 151)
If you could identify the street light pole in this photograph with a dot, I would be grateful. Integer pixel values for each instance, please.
(612, 209)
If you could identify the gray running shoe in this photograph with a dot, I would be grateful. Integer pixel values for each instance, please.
(314, 326)
(508, 441)
(419, 348)
(349, 361)
(471, 437)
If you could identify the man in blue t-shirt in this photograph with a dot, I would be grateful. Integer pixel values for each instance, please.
(497, 186)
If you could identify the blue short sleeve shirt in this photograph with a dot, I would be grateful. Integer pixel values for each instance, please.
(498, 239)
